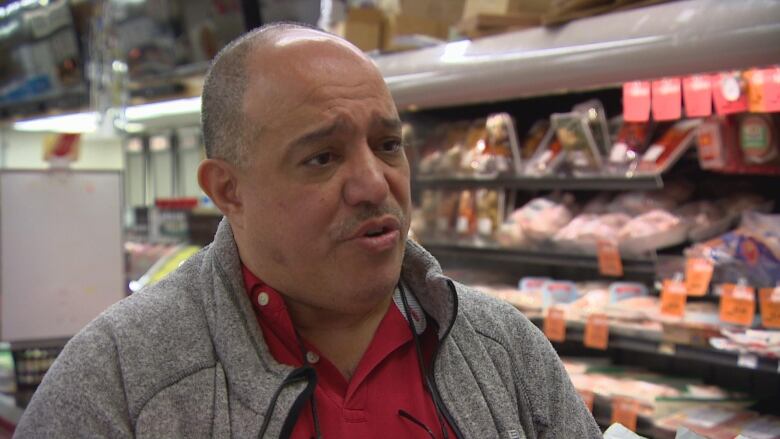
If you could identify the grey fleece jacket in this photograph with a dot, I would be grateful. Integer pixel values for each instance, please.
(186, 358)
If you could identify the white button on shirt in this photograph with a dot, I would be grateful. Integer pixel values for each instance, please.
(262, 299)
(312, 357)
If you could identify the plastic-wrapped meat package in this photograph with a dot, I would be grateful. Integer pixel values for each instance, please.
(711, 421)
(637, 203)
(635, 308)
(586, 230)
(541, 218)
(652, 230)
(594, 299)
(705, 219)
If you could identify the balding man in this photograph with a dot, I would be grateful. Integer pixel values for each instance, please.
(310, 315)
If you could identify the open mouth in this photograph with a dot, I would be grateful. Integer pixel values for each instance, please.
(379, 231)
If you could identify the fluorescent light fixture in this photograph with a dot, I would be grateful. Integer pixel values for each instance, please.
(65, 123)
(143, 112)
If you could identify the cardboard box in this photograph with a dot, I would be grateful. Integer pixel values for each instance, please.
(473, 8)
(448, 12)
(365, 28)
(407, 26)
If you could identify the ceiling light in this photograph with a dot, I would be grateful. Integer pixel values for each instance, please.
(143, 112)
(64, 123)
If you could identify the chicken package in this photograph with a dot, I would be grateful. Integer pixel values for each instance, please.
(705, 219)
(651, 231)
(586, 230)
(541, 218)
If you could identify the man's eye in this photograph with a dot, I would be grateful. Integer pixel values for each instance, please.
(321, 159)
(391, 146)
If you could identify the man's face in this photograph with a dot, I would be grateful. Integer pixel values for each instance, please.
(325, 192)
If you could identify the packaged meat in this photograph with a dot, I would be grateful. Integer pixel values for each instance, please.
(534, 139)
(541, 218)
(490, 211)
(466, 225)
(586, 230)
(651, 231)
(502, 152)
(663, 153)
(710, 144)
(548, 157)
(596, 118)
(705, 219)
(582, 155)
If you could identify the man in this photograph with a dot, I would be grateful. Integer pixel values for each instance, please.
(310, 315)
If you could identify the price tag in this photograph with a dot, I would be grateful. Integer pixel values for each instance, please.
(587, 397)
(698, 273)
(755, 80)
(673, 298)
(729, 94)
(555, 325)
(748, 361)
(772, 90)
(666, 99)
(597, 332)
(625, 411)
(770, 307)
(636, 101)
(737, 304)
(610, 263)
(697, 95)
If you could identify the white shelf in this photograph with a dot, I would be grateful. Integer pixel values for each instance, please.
(674, 38)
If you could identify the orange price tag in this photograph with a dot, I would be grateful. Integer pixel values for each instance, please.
(587, 397)
(756, 80)
(770, 307)
(597, 332)
(625, 411)
(610, 263)
(698, 273)
(737, 304)
(673, 298)
(555, 325)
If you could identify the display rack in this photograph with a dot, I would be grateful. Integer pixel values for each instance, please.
(674, 38)
(608, 183)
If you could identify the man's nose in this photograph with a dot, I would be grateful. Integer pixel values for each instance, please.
(366, 180)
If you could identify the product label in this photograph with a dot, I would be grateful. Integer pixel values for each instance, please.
(533, 283)
(666, 99)
(626, 290)
(559, 292)
(673, 298)
(728, 93)
(555, 325)
(755, 79)
(625, 411)
(737, 304)
(748, 361)
(710, 145)
(610, 263)
(462, 226)
(770, 307)
(698, 273)
(652, 153)
(485, 226)
(697, 94)
(636, 101)
(597, 332)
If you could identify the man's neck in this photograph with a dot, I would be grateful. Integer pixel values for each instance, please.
(342, 338)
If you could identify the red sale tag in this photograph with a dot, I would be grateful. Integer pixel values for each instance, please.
(666, 99)
(636, 101)
(772, 90)
(729, 93)
(697, 94)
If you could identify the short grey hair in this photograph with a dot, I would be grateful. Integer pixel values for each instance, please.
(226, 132)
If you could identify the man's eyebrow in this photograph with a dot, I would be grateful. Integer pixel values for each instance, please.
(389, 123)
(316, 134)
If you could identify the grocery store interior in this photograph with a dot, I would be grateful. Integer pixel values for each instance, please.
(609, 167)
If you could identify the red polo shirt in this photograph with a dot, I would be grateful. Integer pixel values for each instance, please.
(386, 380)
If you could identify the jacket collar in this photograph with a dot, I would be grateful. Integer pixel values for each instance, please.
(252, 371)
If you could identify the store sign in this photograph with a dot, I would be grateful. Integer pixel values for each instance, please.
(636, 101)
(697, 95)
(666, 99)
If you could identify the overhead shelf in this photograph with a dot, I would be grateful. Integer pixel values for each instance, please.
(652, 343)
(452, 255)
(675, 38)
(608, 183)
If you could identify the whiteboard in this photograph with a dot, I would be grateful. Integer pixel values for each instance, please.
(61, 257)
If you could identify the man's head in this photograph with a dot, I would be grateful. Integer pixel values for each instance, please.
(306, 161)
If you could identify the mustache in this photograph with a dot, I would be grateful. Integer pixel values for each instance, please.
(346, 228)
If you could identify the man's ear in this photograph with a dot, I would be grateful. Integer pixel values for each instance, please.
(219, 180)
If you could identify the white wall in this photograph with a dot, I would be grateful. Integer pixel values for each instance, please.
(25, 151)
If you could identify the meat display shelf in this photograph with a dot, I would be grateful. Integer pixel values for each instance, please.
(608, 183)
(509, 259)
(653, 343)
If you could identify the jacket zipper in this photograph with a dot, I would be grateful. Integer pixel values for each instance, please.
(305, 373)
(432, 377)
